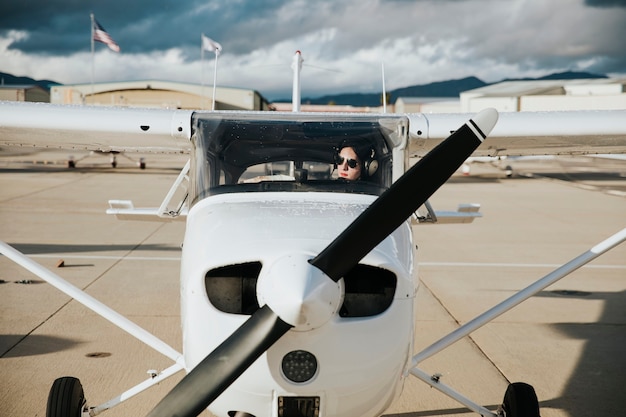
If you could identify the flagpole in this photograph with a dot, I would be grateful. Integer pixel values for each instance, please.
(202, 71)
(210, 45)
(217, 53)
(93, 65)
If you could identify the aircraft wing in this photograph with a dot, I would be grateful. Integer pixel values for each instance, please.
(94, 128)
(530, 133)
(168, 131)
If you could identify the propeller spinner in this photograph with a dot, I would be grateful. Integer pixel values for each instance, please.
(315, 297)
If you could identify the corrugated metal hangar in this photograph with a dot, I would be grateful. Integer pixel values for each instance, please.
(543, 95)
(24, 92)
(161, 94)
(529, 95)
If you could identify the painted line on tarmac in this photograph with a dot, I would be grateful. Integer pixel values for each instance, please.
(512, 265)
(116, 258)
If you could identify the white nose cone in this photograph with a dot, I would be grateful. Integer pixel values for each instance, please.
(299, 293)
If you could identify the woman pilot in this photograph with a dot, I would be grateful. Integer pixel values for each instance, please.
(353, 165)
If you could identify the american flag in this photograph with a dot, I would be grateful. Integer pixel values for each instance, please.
(101, 35)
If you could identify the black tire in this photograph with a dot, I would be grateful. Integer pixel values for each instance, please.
(520, 400)
(66, 398)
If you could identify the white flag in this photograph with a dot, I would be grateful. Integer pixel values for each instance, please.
(209, 44)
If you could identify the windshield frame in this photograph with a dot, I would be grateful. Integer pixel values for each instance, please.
(227, 144)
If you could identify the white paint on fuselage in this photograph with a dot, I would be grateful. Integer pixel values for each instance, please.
(361, 360)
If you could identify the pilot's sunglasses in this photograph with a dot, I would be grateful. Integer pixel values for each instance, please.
(352, 163)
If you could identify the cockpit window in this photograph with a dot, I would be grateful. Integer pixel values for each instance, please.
(287, 171)
(291, 152)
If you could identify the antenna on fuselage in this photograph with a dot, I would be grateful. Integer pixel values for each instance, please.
(384, 89)
(297, 67)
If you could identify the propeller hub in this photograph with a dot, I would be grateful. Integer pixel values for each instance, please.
(298, 292)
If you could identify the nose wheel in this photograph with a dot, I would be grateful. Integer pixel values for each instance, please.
(66, 398)
(520, 400)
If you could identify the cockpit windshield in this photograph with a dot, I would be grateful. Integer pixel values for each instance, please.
(247, 152)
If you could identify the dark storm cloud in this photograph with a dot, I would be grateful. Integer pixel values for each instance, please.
(606, 3)
(419, 41)
(63, 27)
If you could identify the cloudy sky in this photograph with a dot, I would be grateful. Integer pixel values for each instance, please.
(343, 42)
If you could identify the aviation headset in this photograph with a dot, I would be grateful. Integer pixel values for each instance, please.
(370, 163)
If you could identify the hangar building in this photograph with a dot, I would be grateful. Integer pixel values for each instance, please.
(160, 94)
(526, 95)
(544, 95)
(24, 92)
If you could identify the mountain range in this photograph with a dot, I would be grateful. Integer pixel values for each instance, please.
(449, 88)
(9, 79)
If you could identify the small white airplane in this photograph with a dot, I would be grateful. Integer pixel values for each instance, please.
(318, 275)
(72, 161)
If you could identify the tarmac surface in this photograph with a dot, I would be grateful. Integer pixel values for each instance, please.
(567, 341)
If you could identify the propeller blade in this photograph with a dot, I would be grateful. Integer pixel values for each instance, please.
(404, 196)
(223, 366)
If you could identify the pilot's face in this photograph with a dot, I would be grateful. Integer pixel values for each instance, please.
(349, 165)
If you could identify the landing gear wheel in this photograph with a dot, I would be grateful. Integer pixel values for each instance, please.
(66, 398)
(520, 400)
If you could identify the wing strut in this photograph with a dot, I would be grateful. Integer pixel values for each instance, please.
(522, 295)
(451, 338)
(91, 303)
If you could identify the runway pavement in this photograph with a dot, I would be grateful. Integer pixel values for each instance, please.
(568, 341)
